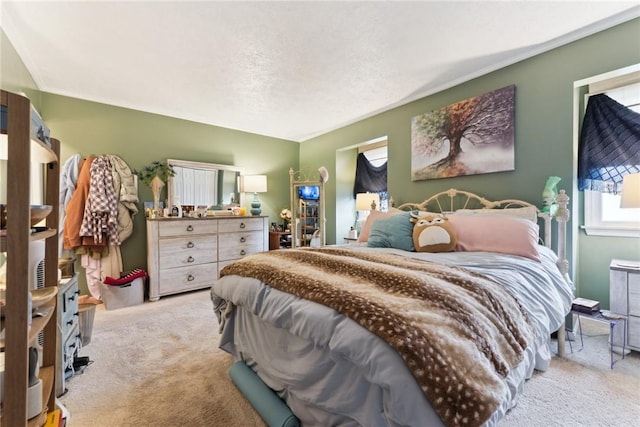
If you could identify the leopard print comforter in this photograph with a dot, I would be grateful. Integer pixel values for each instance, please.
(458, 332)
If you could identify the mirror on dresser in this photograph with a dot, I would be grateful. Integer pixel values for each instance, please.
(199, 184)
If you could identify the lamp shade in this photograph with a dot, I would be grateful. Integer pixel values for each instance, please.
(630, 191)
(254, 183)
(367, 201)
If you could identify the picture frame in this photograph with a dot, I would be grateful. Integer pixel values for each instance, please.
(469, 137)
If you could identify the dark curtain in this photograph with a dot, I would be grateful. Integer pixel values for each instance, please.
(369, 178)
(609, 146)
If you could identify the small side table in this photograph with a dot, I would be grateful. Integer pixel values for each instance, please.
(349, 240)
(613, 320)
(279, 240)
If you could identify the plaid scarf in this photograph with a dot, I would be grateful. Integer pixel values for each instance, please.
(100, 211)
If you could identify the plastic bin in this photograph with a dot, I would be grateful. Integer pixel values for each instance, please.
(87, 314)
(119, 296)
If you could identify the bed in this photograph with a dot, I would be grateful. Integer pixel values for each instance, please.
(379, 334)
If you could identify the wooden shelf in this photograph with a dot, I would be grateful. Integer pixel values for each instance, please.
(21, 151)
(37, 323)
(47, 376)
(41, 235)
(40, 152)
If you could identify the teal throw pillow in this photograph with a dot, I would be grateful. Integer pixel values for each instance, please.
(393, 232)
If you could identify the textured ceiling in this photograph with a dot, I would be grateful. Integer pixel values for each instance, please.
(290, 70)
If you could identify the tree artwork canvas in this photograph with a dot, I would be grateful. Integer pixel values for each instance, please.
(470, 137)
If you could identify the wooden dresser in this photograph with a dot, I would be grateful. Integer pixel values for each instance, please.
(184, 254)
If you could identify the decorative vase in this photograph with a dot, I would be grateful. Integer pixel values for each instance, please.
(156, 187)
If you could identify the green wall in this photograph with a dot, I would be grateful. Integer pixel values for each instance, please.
(544, 143)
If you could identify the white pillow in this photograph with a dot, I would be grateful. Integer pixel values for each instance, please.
(527, 212)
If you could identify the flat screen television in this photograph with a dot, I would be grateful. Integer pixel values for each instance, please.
(309, 192)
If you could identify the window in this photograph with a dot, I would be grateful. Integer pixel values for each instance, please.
(371, 172)
(603, 215)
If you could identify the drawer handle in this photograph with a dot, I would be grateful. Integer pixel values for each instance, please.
(190, 245)
(190, 278)
(190, 259)
(190, 227)
(243, 252)
(243, 225)
(243, 239)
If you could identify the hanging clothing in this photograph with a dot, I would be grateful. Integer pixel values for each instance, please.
(111, 264)
(100, 211)
(609, 146)
(127, 198)
(126, 194)
(92, 272)
(68, 182)
(75, 207)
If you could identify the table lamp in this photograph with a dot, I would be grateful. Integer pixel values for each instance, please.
(254, 184)
(367, 201)
(630, 191)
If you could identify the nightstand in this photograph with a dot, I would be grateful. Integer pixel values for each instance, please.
(624, 298)
(349, 240)
(607, 317)
(279, 240)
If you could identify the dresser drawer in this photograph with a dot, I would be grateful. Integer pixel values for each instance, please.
(69, 309)
(240, 224)
(187, 227)
(237, 252)
(70, 324)
(180, 279)
(181, 252)
(70, 348)
(68, 317)
(633, 328)
(248, 238)
(634, 294)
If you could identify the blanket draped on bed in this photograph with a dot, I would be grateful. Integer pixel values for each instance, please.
(458, 332)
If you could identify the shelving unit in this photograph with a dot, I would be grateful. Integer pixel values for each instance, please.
(309, 220)
(308, 215)
(23, 150)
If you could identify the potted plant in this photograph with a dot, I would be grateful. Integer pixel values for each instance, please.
(155, 176)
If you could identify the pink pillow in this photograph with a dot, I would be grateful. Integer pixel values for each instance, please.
(496, 233)
(374, 216)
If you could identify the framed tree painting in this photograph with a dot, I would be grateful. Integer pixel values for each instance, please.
(470, 137)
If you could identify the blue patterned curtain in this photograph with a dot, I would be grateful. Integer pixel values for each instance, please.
(609, 146)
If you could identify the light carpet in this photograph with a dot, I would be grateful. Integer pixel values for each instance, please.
(157, 364)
